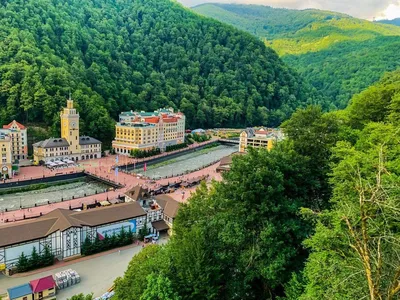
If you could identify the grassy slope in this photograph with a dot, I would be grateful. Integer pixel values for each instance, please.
(340, 55)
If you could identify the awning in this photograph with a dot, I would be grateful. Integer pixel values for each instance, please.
(150, 236)
(160, 225)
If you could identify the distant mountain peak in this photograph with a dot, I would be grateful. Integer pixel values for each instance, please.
(340, 55)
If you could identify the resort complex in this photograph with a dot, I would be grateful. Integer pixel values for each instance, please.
(64, 231)
(71, 146)
(261, 137)
(148, 130)
(19, 139)
(6, 156)
(13, 147)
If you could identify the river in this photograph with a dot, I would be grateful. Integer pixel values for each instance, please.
(52, 193)
(187, 162)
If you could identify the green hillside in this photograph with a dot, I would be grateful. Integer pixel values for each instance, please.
(338, 54)
(142, 55)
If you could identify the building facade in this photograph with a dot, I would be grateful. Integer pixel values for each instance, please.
(259, 138)
(6, 155)
(161, 210)
(43, 288)
(148, 130)
(64, 231)
(19, 139)
(20, 292)
(71, 146)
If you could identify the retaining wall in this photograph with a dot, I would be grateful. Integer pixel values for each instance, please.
(44, 179)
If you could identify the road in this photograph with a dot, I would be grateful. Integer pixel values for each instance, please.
(97, 274)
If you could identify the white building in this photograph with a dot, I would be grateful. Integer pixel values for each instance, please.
(161, 209)
(63, 231)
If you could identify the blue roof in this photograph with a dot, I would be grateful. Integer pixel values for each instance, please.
(19, 291)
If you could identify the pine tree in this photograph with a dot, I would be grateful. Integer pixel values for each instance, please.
(47, 257)
(143, 232)
(23, 263)
(122, 237)
(86, 248)
(114, 241)
(97, 245)
(106, 242)
(35, 261)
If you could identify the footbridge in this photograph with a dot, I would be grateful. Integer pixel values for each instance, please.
(229, 141)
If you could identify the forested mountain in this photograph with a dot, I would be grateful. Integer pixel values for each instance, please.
(392, 22)
(316, 217)
(141, 55)
(338, 54)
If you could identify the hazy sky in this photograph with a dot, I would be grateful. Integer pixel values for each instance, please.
(367, 9)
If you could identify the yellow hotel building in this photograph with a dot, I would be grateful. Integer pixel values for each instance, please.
(71, 146)
(259, 138)
(148, 130)
(6, 155)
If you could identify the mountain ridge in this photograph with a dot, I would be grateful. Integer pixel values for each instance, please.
(395, 21)
(335, 52)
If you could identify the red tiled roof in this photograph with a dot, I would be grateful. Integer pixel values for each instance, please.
(152, 120)
(170, 120)
(42, 284)
(19, 125)
(262, 131)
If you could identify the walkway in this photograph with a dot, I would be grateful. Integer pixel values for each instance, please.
(101, 167)
(97, 273)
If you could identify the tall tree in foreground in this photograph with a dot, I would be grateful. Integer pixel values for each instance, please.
(356, 247)
(159, 288)
(241, 238)
(313, 135)
(150, 260)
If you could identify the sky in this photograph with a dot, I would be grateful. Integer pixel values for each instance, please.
(365, 9)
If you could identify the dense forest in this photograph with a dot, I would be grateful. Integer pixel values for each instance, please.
(141, 55)
(339, 55)
(316, 217)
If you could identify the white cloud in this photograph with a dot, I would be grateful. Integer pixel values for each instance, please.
(367, 9)
(391, 12)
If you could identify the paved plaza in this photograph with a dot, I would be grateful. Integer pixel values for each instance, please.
(97, 273)
(101, 167)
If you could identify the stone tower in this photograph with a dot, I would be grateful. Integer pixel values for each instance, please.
(70, 127)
